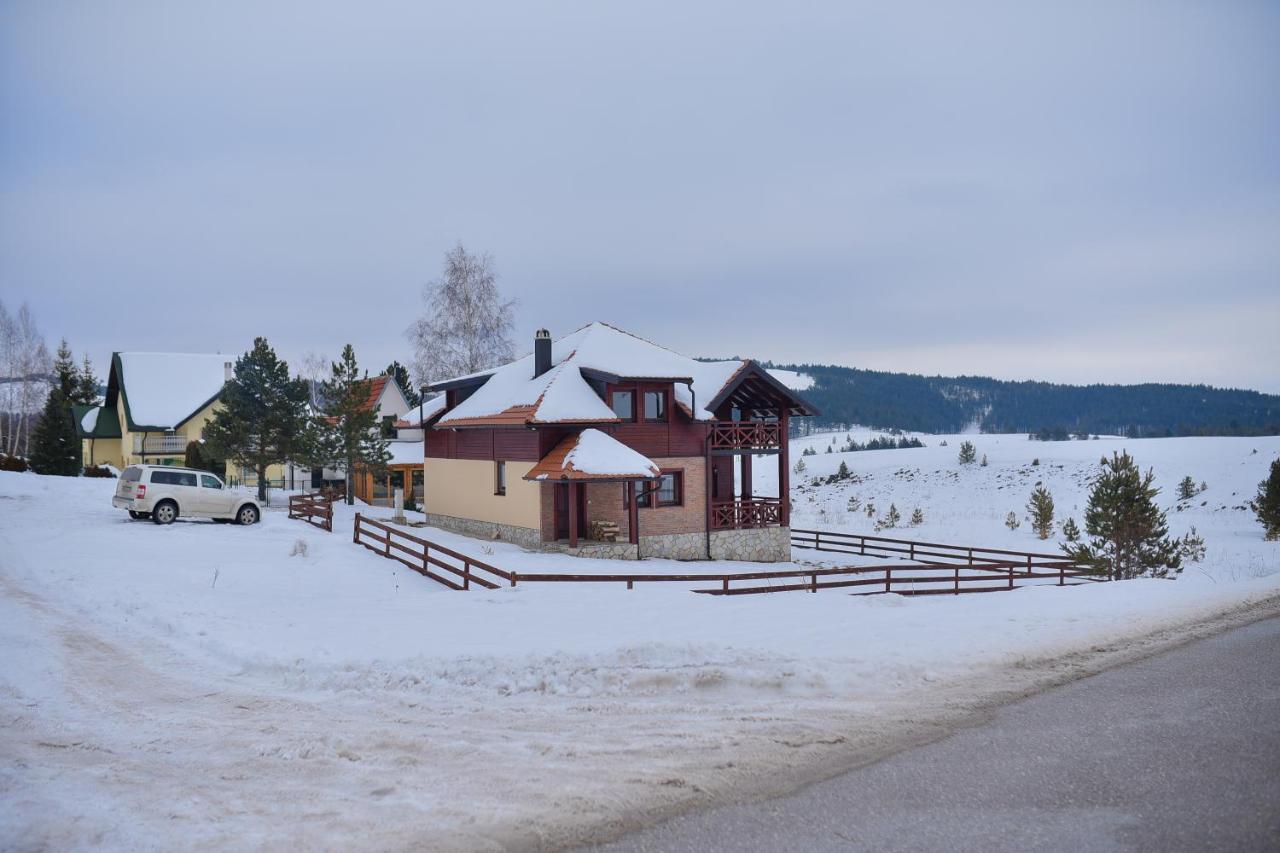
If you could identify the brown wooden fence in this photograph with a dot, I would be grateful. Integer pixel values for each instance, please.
(313, 509)
(937, 569)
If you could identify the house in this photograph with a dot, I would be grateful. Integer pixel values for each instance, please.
(404, 441)
(156, 402)
(603, 431)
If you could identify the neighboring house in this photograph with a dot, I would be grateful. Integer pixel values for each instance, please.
(404, 440)
(155, 403)
(603, 431)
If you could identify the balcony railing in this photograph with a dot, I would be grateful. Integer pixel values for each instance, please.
(159, 444)
(732, 435)
(748, 512)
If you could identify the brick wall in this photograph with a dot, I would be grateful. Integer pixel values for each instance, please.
(604, 503)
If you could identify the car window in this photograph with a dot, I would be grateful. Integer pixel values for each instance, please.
(210, 482)
(131, 474)
(173, 478)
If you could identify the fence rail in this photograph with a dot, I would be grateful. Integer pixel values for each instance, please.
(311, 507)
(968, 572)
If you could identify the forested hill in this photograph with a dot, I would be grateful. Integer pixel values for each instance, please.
(847, 395)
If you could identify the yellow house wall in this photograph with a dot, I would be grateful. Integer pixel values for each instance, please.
(102, 451)
(463, 488)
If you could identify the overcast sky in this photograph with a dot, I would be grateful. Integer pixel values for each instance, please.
(1076, 192)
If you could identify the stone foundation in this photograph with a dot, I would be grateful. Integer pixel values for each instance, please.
(525, 537)
(674, 546)
(596, 550)
(756, 544)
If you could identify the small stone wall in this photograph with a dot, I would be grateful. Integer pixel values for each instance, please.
(674, 546)
(757, 544)
(525, 537)
(596, 550)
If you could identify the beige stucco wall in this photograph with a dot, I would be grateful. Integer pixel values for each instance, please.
(463, 488)
(102, 451)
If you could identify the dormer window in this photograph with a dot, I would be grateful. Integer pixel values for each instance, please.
(623, 404)
(655, 405)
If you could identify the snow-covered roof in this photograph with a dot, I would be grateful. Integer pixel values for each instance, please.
(592, 455)
(163, 389)
(90, 419)
(793, 379)
(406, 452)
(512, 394)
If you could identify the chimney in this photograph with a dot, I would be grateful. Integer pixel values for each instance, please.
(228, 371)
(541, 352)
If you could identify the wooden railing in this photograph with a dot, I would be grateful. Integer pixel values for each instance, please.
(424, 556)
(311, 507)
(745, 512)
(921, 552)
(732, 435)
(923, 577)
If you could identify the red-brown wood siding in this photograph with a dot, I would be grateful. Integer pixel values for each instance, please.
(516, 444)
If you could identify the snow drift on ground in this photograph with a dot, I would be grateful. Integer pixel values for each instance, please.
(213, 685)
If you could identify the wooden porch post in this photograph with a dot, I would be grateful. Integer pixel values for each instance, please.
(633, 514)
(573, 514)
(784, 470)
(746, 475)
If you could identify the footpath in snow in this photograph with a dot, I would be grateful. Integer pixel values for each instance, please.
(204, 684)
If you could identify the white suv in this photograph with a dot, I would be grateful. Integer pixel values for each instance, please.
(163, 492)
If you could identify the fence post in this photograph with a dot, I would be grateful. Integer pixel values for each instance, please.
(971, 556)
(887, 579)
(726, 584)
(862, 541)
(1011, 576)
(466, 574)
(1028, 564)
(630, 584)
(912, 555)
(817, 540)
(957, 579)
(386, 546)
(426, 565)
(355, 535)
(513, 578)
(1062, 574)
(813, 580)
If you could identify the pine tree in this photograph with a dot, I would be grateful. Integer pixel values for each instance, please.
(1267, 503)
(892, 517)
(968, 453)
(1040, 508)
(55, 448)
(917, 517)
(854, 504)
(400, 374)
(263, 419)
(1186, 489)
(1070, 530)
(843, 472)
(1011, 521)
(1129, 534)
(352, 437)
(800, 467)
(984, 461)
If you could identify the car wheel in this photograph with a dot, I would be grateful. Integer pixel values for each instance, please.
(247, 514)
(138, 516)
(166, 512)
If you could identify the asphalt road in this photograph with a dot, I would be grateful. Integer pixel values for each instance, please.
(1177, 752)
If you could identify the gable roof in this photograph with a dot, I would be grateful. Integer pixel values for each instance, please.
(163, 390)
(512, 395)
(592, 455)
(96, 421)
(376, 386)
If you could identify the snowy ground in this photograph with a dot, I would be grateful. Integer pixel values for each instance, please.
(197, 685)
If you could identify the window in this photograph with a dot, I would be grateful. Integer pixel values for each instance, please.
(131, 474)
(499, 478)
(173, 478)
(655, 405)
(669, 491)
(210, 482)
(623, 404)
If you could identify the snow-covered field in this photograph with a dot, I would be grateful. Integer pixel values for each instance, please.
(202, 685)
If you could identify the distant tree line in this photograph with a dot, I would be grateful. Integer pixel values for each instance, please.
(941, 404)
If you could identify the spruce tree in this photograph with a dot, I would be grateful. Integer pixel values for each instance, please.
(1186, 489)
(917, 517)
(263, 419)
(55, 448)
(1070, 530)
(1129, 537)
(400, 374)
(352, 437)
(1040, 508)
(1267, 503)
(86, 390)
(968, 453)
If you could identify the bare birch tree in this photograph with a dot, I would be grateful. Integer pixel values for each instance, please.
(467, 326)
(25, 364)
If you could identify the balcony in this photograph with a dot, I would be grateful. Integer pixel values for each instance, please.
(159, 444)
(746, 512)
(740, 435)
